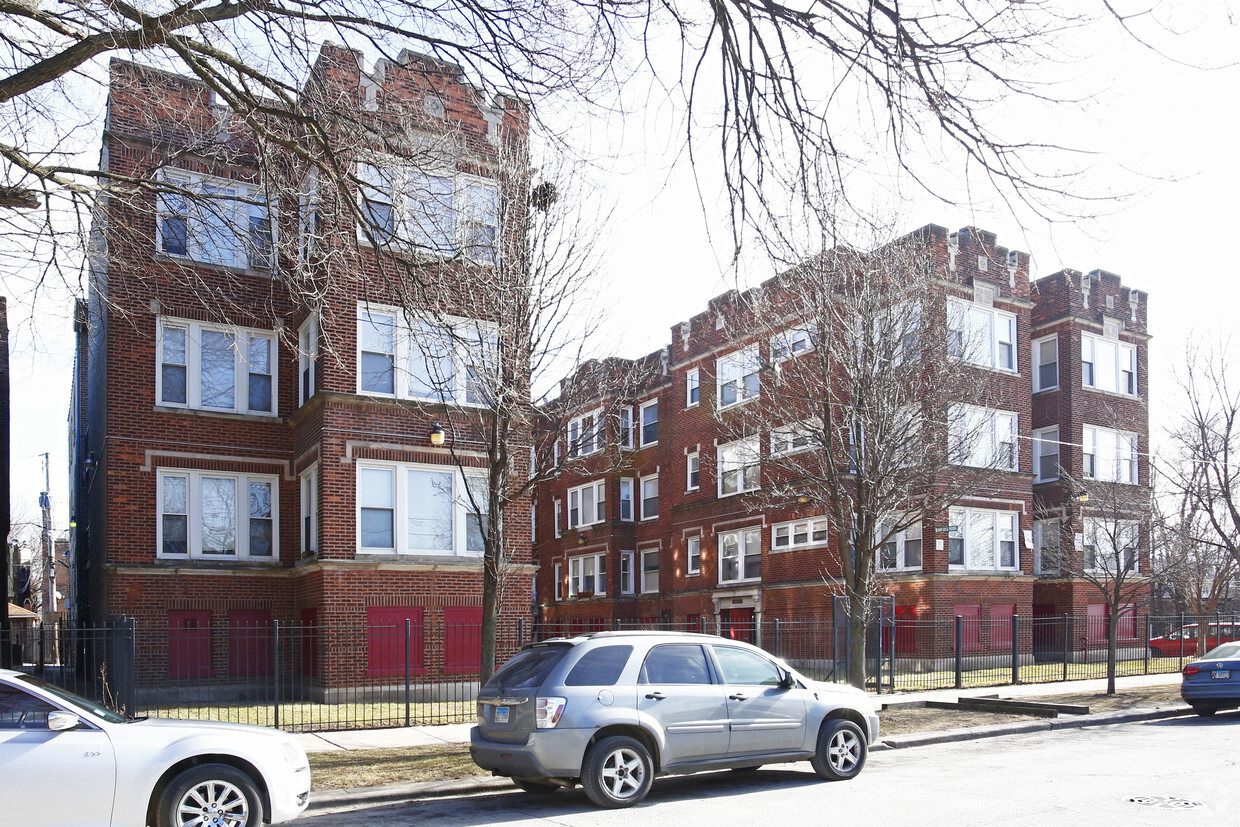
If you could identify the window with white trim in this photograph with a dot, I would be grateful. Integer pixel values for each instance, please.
(693, 388)
(650, 497)
(215, 221)
(216, 515)
(451, 362)
(982, 540)
(983, 438)
(627, 574)
(559, 581)
(624, 426)
(902, 550)
(650, 422)
(587, 504)
(740, 555)
(737, 377)
(1108, 364)
(626, 499)
(799, 534)
(403, 508)
(1109, 455)
(585, 434)
(1110, 546)
(308, 366)
(792, 342)
(587, 574)
(310, 511)
(1046, 554)
(984, 336)
(693, 472)
(693, 554)
(1046, 454)
(739, 466)
(441, 214)
(650, 571)
(791, 438)
(558, 506)
(1046, 364)
(213, 368)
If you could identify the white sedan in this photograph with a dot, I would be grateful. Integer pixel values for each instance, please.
(64, 761)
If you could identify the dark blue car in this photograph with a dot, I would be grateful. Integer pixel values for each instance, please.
(1212, 682)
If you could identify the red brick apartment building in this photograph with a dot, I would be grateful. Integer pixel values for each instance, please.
(652, 526)
(251, 440)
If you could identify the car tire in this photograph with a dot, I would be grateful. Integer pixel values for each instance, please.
(1203, 710)
(617, 772)
(841, 750)
(536, 787)
(198, 789)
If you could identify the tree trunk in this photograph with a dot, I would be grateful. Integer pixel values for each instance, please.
(490, 610)
(856, 640)
(1112, 646)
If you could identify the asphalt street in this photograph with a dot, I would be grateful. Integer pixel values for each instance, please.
(1179, 771)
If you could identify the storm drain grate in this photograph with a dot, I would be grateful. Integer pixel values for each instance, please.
(1167, 802)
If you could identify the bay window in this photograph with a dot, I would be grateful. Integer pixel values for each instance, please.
(983, 540)
(650, 497)
(214, 368)
(981, 335)
(626, 499)
(1108, 364)
(217, 515)
(902, 550)
(650, 422)
(739, 467)
(585, 434)
(737, 376)
(419, 509)
(1109, 455)
(1046, 558)
(792, 342)
(626, 572)
(983, 438)
(693, 554)
(693, 384)
(740, 555)
(650, 571)
(1046, 364)
(214, 221)
(799, 534)
(1046, 454)
(1110, 546)
(587, 574)
(587, 504)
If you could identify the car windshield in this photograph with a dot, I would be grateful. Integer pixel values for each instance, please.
(528, 668)
(74, 700)
(1227, 650)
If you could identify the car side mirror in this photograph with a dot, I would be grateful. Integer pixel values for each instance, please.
(786, 680)
(62, 721)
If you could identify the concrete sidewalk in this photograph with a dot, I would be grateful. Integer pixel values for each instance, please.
(419, 736)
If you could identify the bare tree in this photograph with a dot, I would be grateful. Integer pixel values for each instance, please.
(869, 415)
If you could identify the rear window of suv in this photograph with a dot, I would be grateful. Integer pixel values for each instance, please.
(528, 668)
(599, 667)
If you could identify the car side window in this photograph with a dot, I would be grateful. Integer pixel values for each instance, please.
(741, 667)
(675, 663)
(21, 710)
(599, 667)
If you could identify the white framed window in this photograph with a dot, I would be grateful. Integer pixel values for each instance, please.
(587, 504)
(405, 508)
(559, 581)
(693, 554)
(693, 388)
(1110, 546)
(1108, 365)
(1046, 363)
(792, 342)
(217, 515)
(693, 472)
(799, 534)
(649, 412)
(739, 466)
(627, 573)
(558, 507)
(309, 224)
(1046, 554)
(737, 377)
(308, 360)
(791, 438)
(448, 363)
(1109, 455)
(983, 438)
(1046, 454)
(442, 213)
(310, 511)
(740, 556)
(650, 571)
(650, 497)
(585, 434)
(626, 499)
(214, 368)
(902, 550)
(624, 426)
(215, 221)
(982, 540)
(587, 574)
(984, 336)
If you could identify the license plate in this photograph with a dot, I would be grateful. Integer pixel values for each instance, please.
(1224, 674)
(501, 715)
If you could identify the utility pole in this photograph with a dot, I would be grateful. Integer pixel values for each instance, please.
(49, 555)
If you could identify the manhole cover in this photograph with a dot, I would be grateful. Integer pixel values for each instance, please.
(1168, 802)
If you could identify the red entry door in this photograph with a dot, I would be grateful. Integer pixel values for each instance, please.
(462, 632)
(189, 644)
(737, 624)
(249, 643)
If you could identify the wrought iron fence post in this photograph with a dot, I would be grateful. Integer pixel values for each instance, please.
(1015, 649)
(1146, 656)
(1067, 643)
(959, 651)
(408, 654)
(41, 662)
(275, 668)
(1181, 665)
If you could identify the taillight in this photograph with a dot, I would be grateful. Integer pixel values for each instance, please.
(548, 711)
(1191, 670)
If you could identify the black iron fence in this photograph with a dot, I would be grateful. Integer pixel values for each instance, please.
(403, 671)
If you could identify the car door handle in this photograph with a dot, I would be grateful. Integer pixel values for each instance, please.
(655, 696)
(739, 696)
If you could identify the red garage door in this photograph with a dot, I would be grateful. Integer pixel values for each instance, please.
(189, 644)
(249, 643)
(462, 632)
(394, 640)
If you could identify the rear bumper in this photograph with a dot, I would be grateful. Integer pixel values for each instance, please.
(547, 753)
(1228, 693)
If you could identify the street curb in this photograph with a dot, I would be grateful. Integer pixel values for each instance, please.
(341, 800)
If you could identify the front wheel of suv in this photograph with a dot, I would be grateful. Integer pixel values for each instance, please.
(841, 751)
(618, 772)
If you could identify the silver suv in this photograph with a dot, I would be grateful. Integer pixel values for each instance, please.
(614, 709)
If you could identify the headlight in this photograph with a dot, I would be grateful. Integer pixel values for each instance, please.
(294, 755)
(548, 712)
